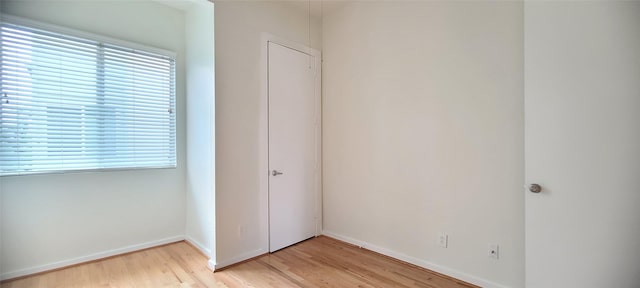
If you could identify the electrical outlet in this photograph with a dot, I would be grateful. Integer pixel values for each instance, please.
(242, 231)
(443, 240)
(494, 251)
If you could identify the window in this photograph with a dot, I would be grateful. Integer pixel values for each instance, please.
(70, 104)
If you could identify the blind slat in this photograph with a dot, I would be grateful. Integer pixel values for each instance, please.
(72, 104)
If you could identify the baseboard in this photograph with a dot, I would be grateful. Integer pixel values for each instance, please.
(415, 261)
(199, 246)
(211, 265)
(91, 257)
(238, 259)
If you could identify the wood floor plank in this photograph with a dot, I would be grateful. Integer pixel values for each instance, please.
(317, 263)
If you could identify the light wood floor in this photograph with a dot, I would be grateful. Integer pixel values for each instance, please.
(318, 262)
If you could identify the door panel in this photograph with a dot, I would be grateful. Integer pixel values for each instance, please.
(582, 115)
(292, 146)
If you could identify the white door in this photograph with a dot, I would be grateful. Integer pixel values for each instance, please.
(582, 115)
(292, 146)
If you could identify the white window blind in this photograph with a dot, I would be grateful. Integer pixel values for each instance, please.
(70, 104)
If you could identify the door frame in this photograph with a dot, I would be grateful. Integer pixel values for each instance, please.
(263, 137)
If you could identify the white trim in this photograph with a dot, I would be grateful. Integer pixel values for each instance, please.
(212, 138)
(415, 261)
(211, 264)
(263, 138)
(263, 146)
(237, 259)
(84, 35)
(91, 257)
(202, 248)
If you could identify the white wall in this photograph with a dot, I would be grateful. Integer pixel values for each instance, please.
(238, 28)
(423, 133)
(57, 219)
(200, 225)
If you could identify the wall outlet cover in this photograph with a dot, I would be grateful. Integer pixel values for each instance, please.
(443, 240)
(493, 251)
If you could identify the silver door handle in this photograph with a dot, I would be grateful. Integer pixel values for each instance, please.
(276, 173)
(535, 188)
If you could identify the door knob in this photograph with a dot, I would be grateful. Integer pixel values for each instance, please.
(276, 173)
(535, 188)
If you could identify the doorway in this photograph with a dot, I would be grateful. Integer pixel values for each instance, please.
(293, 111)
(582, 115)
